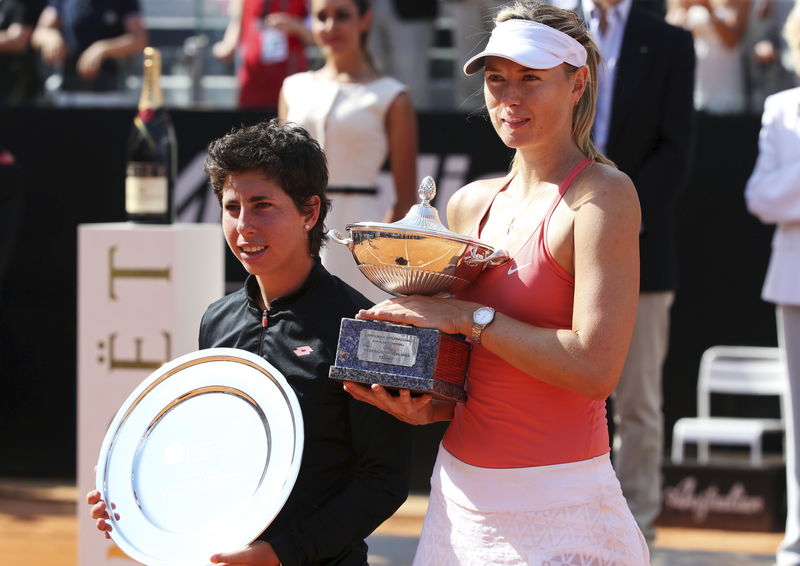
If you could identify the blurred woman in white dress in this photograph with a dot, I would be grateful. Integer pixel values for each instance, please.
(718, 28)
(359, 117)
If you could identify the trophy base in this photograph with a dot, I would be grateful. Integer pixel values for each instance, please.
(403, 357)
(439, 389)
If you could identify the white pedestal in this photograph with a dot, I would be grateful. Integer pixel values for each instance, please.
(142, 290)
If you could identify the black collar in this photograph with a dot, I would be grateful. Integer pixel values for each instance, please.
(253, 291)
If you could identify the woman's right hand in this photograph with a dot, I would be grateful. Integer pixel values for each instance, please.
(412, 409)
(99, 512)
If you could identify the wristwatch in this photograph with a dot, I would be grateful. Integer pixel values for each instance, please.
(481, 318)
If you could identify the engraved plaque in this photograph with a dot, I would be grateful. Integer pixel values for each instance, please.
(391, 348)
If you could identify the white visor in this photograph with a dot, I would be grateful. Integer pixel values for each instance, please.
(529, 44)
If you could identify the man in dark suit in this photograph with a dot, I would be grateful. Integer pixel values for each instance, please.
(645, 124)
(650, 138)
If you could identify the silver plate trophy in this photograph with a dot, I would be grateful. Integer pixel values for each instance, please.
(415, 255)
(201, 457)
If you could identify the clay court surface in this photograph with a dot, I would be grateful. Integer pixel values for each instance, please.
(38, 527)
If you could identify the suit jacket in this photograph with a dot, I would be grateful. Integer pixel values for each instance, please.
(651, 132)
(773, 193)
(416, 9)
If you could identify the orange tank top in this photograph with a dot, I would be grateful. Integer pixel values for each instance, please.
(510, 418)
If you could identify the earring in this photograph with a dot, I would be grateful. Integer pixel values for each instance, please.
(306, 226)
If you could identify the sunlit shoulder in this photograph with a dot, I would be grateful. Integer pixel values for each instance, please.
(608, 188)
(468, 203)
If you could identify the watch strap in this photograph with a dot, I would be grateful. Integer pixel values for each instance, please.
(477, 329)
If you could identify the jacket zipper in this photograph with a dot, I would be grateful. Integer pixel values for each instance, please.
(264, 324)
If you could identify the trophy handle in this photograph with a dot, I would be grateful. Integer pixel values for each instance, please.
(339, 238)
(498, 257)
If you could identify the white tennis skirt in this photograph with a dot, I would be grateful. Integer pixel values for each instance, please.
(567, 514)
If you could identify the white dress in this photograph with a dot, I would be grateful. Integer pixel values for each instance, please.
(719, 80)
(349, 122)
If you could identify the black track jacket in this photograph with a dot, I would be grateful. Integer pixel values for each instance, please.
(356, 459)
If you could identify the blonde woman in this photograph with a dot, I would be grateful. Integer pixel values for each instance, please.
(523, 474)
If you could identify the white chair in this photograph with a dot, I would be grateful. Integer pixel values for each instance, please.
(740, 370)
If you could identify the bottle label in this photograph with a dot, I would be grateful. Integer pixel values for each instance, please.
(274, 45)
(146, 114)
(146, 189)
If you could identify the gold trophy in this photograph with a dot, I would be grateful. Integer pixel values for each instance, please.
(415, 255)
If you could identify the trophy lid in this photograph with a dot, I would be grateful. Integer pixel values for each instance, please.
(424, 215)
(421, 219)
(417, 254)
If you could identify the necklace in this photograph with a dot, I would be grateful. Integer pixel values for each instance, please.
(518, 209)
(510, 223)
(538, 190)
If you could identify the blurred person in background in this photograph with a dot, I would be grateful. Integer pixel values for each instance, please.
(19, 75)
(401, 39)
(718, 28)
(267, 40)
(768, 61)
(359, 117)
(86, 43)
(773, 195)
(472, 22)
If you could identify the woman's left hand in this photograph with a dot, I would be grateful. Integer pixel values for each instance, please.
(451, 316)
(411, 409)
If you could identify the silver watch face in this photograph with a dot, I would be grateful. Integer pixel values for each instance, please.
(483, 315)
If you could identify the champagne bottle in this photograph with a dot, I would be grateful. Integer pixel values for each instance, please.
(152, 161)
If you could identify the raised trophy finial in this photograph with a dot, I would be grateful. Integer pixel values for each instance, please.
(427, 190)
